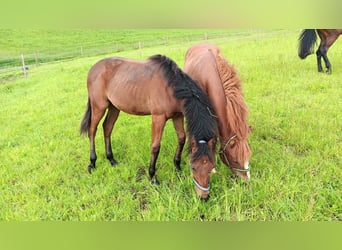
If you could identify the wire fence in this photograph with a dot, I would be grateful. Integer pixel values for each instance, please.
(12, 66)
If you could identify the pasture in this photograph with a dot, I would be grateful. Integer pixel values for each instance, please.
(296, 141)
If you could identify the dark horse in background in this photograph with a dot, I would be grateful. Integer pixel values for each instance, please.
(156, 87)
(221, 82)
(307, 42)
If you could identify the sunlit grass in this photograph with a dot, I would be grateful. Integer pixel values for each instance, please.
(296, 143)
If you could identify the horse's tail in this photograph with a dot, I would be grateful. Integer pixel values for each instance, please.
(307, 41)
(85, 124)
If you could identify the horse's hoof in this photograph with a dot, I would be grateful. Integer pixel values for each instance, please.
(178, 168)
(113, 162)
(90, 168)
(154, 181)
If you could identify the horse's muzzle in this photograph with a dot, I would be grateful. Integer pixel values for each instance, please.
(205, 198)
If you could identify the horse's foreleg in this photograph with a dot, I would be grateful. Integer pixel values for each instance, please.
(178, 123)
(158, 123)
(108, 124)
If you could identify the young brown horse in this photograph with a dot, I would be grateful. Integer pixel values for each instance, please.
(156, 87)
(205, 64)
(307, 40)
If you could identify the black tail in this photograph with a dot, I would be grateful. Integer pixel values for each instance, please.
(85, 124)
(307, 41)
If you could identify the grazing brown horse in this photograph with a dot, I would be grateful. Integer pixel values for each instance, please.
(205, 64)
(156, 87)
(307, 40)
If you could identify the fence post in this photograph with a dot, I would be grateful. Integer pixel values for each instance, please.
(24, 67)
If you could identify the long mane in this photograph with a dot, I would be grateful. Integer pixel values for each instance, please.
(237, 110)
(199, 113)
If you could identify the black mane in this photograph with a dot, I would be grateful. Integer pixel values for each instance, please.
(199, 113)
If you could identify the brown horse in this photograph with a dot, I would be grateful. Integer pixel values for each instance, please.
(205, 64)
(307, 40)
(156, 87)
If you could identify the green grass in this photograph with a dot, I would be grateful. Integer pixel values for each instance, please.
(296, 141)
(41, 46)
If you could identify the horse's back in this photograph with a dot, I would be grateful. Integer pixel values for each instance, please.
(135, 87)
(106, 68)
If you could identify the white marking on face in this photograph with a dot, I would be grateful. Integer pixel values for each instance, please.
(246, 166)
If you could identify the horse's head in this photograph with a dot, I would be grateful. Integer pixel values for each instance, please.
(236, 153)
(202, 163)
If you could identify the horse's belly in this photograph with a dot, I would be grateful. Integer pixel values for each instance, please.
(138, 99)
(132, 105)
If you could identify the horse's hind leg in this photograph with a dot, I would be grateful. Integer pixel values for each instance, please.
(178, 123)
(108, 124)
(322, 52)
(96, 115)
(326, 41)
(329, 42)
(158, 123)
(327, 62)
(319, 57)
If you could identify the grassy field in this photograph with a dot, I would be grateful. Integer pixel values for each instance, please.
(296, 165)
(42, 46)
